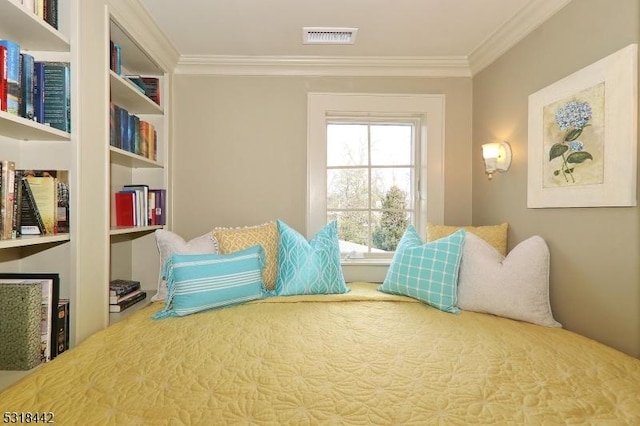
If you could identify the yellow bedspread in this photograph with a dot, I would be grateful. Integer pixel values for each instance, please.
(360, 358)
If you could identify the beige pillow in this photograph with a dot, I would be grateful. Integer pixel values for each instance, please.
(496, 235)
(234, 239)
(170, 243)
(516, 286)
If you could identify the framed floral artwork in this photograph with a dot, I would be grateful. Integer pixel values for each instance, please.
(583, 136)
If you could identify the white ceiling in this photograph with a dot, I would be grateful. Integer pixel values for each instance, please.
(407, 29)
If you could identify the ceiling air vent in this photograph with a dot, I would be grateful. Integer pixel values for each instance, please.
(328, 35)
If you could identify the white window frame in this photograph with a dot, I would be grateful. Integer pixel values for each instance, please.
(429, 109)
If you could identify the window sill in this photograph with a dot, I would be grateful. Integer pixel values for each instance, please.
(365, 262)
(368, 270)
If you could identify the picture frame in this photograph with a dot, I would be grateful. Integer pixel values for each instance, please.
(582, 136)
(50, 298)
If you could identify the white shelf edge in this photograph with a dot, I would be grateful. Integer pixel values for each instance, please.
(126, 158)
(17, 127)
(32, 240)
(125, 94)
(123, 230)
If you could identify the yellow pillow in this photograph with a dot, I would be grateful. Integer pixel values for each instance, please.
(234, 239)
(496, 235)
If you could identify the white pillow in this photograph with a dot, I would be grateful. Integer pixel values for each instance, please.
(171, 243)
(516, 286)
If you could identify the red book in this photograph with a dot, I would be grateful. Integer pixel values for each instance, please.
(3, 78)
(125, 208)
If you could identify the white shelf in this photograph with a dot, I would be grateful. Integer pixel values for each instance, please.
(123, 230)
(16, 127)
(129, 159)
(29, 31)
(125, 95)
(32, 240)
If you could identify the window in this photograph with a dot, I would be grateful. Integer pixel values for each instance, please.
(374, 161)
(372, 182)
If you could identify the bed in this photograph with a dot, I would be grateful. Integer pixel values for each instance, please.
(363, 357)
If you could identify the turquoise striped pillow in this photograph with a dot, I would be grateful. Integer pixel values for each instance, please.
(309, 267)
(426, 271)
(197, 282)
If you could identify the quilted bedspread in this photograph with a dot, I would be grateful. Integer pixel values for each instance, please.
(359, 358)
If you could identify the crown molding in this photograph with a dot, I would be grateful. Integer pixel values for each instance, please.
(519, 26)
(325, 66)
(523, 23)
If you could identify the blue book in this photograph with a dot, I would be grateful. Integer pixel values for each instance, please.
(13, 75)
(26, 89)
(57, 99)
(38, 91)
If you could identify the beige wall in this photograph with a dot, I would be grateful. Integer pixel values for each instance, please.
(240, 146)
(595, 252)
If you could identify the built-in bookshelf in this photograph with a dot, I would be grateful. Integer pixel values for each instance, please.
(133, 251)
(92, 252)
(32, 145)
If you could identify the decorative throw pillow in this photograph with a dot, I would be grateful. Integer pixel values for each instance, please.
(309, 267)
(496, 235)
(516, 286)
(170, 243)
(426, 271)
(234, 239)
(197, 282)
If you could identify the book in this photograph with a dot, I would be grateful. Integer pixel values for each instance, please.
(137, 82)
(152, 88)
(31, 222)
(62, 326)
(3, 78)
(38, 91)
(128, 302)
(7, 177)
(124, 208)
(160, 205)
(113, 125)
(57, 97)
(115, 63)
(20, 324)
(50, 13)
(17, 205)
(12, 65)
(118, 287)
(49, 286)
(45, 195)
(114, 300)
(142, 203)
(26, 86)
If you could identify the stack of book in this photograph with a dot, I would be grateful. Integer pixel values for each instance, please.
(123, 294)
(129, 133)
(33, 202)
(138, 205)
(35, 90)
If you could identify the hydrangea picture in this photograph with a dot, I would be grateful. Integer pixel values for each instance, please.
(574, 139)
(582, 141)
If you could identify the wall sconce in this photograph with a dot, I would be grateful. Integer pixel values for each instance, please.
(497, 157)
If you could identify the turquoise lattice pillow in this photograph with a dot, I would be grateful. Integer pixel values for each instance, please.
(309, 267)
(197, 282)
(426, 271)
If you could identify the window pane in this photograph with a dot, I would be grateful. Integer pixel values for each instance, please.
(391, 145)
(392, 185)
(347, 145)
(347, 189)
(389, 228)
(353, 230)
